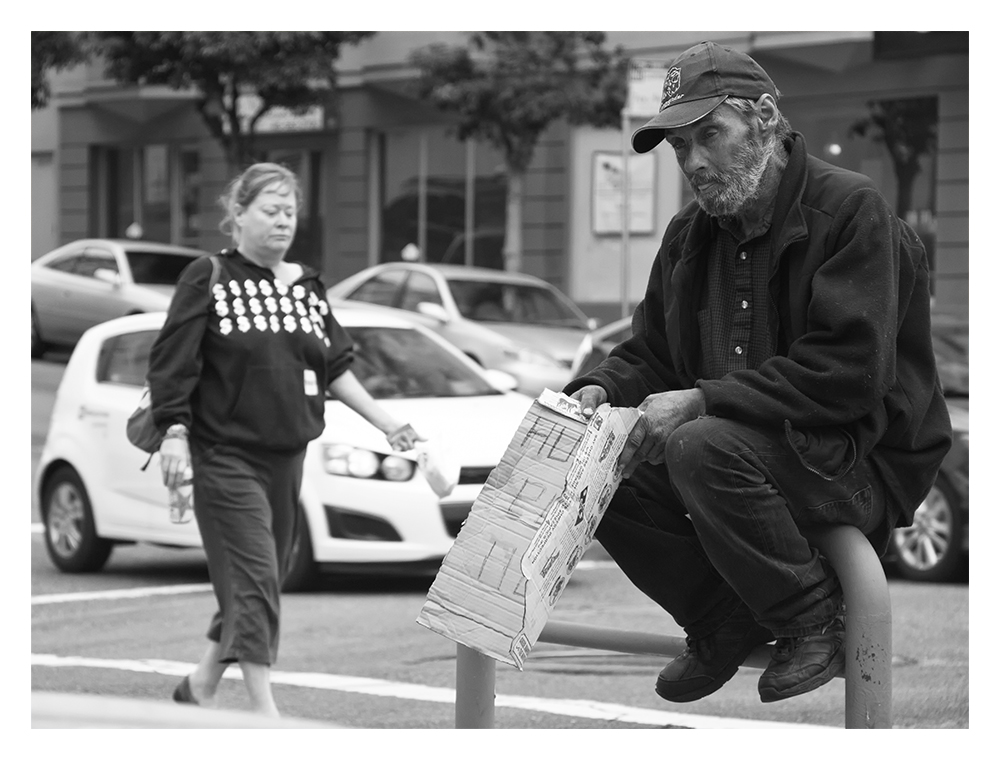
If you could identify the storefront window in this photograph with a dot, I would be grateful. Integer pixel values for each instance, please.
(426, 179)
(155, 219)
(189, 163)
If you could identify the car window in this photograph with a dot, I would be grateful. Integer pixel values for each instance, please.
(156, 268)
(64, 263)
(485, 301)
(124, 359)
(91, 260)
(951, 352)
(382, 289)
(419, 288)
(394, 362)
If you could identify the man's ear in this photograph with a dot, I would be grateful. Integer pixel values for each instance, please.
(767, 112)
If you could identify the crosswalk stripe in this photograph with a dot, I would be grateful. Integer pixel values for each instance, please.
(577, 708)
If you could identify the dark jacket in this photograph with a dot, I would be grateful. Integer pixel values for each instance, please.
(850, 302)
(246, 364)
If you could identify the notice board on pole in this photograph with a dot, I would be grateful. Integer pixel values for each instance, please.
(607, 180)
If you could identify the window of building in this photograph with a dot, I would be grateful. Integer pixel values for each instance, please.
(445, 196)
(151, 190)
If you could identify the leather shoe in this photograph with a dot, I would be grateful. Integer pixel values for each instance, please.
(803, 663)
(708, 662)
(183, 693)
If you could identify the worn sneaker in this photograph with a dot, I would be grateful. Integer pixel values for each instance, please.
(803, 663)
(708, 662)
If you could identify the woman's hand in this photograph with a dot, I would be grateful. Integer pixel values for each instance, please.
(175, 458)
(403, 438)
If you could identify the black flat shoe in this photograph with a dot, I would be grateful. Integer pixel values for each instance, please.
(183, 693)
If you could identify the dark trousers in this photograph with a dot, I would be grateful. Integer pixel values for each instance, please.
(246, 502)
(718, 527)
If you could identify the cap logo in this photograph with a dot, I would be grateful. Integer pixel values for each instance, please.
(671, 85)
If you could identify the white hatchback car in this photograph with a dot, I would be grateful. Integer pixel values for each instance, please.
(367, 508)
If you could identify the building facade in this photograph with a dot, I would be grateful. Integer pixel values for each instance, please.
(382, 169)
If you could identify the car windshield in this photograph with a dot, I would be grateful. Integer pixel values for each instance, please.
(516, 303)
(951, 350)
(156, 267)
(395, 362)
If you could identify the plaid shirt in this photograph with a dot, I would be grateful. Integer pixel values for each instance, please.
(733, 321)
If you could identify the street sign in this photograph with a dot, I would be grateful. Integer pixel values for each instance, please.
(645, 87)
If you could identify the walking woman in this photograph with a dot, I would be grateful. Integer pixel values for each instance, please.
(237, 378)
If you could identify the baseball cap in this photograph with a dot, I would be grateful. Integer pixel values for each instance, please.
(697, 82)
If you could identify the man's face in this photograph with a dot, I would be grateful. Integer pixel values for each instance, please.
(723, 158)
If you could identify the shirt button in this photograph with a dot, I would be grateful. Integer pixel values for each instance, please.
(744, 304)
(739, 349)
(743, 255)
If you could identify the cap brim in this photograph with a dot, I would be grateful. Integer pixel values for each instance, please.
(649, 135)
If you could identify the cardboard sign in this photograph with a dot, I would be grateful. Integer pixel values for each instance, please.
(530, 525)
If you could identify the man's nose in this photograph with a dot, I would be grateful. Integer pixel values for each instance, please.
(694, 161)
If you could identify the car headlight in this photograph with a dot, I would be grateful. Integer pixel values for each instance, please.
(530, 356)
(351, 461)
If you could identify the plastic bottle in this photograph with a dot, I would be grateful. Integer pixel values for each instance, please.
(181, 504)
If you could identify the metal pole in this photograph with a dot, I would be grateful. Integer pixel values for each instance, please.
(625, 213)
(475, 689)
(868, 647)
(470, 200)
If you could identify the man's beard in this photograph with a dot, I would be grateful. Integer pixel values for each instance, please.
(735, 189)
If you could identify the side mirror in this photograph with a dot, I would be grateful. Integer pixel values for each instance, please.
(433, 310)
(109, 276)
(502, 381)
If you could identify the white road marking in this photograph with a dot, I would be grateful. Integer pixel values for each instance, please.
(121, 593)
(577, 708)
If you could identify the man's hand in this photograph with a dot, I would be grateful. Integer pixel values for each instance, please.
(662, 414)
(590, 397)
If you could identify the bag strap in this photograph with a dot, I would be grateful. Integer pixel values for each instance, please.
(216, 268)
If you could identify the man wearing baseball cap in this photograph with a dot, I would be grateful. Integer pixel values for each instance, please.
(782, 358)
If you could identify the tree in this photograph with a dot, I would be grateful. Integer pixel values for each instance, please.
(507, 88)
(294, 70)
(908, 129)
(52, 51)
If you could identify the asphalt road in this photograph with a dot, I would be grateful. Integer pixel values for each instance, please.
(352, 653)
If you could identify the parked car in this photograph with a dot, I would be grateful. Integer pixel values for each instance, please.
(80, 284)
(936, 546)
(367, 509)
(509, 321)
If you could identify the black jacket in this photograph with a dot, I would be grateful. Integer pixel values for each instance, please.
(850, 302)
(249, 363)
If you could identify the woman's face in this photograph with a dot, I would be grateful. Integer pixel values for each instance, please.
(267, 226)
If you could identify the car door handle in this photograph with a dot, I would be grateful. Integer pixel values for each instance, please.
(86, 411)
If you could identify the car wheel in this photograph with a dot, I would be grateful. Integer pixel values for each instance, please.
(301, 573)
(931, 549)
(37, 345)
(70, 537)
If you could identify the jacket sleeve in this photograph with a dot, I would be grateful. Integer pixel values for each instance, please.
(642, 364)
(175, 358)
(340, 354)
(841, 367)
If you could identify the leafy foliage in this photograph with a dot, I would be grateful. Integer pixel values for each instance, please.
(508, 87)
(290, 69)
(908, 129)
(52, 50)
